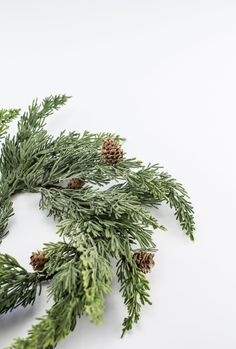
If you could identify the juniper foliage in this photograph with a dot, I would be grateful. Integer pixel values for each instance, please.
(107, 219)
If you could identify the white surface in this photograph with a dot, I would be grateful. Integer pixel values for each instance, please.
(162, 74)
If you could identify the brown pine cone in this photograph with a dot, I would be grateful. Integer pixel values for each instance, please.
(111, 151)
(144, 261)
(38, 260)
(75, 183)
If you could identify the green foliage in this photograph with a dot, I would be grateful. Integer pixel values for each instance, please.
(17, 286)
(134, 289)
(58, 322)
(109, 218)
(95, 272)
(33, 120)
(153, 186)
(6, 116)
(6, 211)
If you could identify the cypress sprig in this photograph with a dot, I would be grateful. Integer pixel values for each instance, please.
(100, 200)
(17, 286)
(6, 116)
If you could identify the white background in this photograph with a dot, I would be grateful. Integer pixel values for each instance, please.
(162, 74)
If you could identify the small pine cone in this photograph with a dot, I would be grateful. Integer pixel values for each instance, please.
(111, 151)
(75, 183)
(38, 260)
(144, 261)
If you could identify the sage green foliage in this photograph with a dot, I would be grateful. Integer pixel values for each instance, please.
(108, 219)
(6, 116)
(18, 287)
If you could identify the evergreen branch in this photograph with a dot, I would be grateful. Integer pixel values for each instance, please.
(58, 254)
(33, 120)
(6, 211)
(134, 289)
(65, 281)
(6, 116)
(66, 289)
(153, 186)
(100, 214)
(58, 322)
(17, 286)
(179, 199)
(88, 202)
(95, 271)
